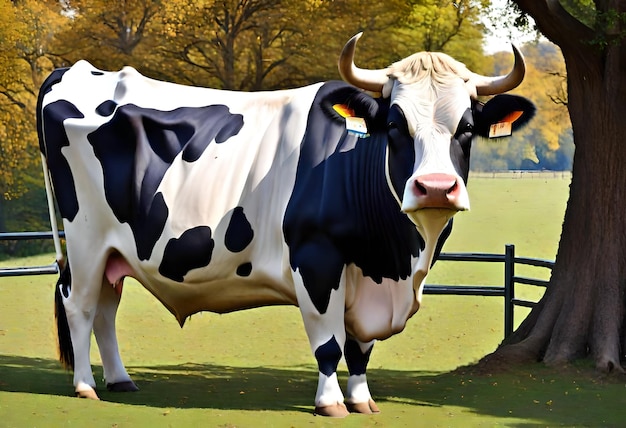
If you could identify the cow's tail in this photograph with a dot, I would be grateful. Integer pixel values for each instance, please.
(62, 289)
(66, 353)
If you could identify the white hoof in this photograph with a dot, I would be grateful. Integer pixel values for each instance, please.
(86, 391)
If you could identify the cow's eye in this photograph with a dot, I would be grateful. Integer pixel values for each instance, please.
(464, 128)
(392, 125)
(464, 139)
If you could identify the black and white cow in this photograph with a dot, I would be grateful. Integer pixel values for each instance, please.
(324, 197)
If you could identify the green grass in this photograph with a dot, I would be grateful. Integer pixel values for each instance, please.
(254, 368)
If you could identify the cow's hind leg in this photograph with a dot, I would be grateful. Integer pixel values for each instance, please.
(320, 289)
(115, 374)
(77, 298)
(357, 355)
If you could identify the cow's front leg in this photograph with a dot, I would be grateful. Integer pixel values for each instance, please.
(320, 289)
(115, 374)
(357, 355)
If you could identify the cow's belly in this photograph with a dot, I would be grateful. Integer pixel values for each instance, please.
(377, 311)
(221, 295)
(215, 289)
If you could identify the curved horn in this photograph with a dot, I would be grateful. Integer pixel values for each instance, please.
(370, 80)
(498, 85)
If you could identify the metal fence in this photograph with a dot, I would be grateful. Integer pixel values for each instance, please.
(506, 290)
(528, 175)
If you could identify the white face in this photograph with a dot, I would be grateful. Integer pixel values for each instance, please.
(433, 113)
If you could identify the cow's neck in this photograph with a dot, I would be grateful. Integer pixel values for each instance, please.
(395, 228)
(393, 238)
(430, 224)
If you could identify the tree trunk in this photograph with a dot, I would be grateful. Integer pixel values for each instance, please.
(582, 312)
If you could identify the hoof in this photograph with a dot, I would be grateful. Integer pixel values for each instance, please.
(127, 386)
(87, 392)
(338, 410)
(365, 408)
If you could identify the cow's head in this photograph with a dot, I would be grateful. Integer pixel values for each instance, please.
(432, 119)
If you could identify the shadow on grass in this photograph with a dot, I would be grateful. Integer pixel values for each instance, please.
(536, 394)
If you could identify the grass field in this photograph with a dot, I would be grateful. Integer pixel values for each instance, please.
(254, 368)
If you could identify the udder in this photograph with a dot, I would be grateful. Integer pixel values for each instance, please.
(117, 268)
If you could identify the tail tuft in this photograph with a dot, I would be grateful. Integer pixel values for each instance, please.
(62, 289)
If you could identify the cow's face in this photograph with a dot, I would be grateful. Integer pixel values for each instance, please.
(432, 119)
(428, 124)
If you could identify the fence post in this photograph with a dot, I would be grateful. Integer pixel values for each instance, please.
(509, 288)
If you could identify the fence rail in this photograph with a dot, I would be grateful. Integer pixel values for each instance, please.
(507, 290)
(513, 174)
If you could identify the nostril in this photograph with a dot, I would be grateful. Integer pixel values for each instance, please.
(421, 190)
(453, 188)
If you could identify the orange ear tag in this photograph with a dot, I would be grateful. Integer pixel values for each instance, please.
(343, 110)
(513, 116)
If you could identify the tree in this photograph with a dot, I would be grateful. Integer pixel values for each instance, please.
(26, 32)
(396, 29)
(110, 34)
(451, 27)
(264, 44)
(233, 44)
(582, 313)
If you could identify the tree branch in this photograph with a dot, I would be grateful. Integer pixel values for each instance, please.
(13, 100)
(556, 23)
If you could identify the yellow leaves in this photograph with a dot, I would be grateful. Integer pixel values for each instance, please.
(170, 32)
(545, 84)
(450, 27)
(26, 30)
(540, 141)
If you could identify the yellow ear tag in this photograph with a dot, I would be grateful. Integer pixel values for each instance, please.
(356, 126)
(504, 128)
(500, 129)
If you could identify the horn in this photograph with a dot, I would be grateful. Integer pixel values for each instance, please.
(369, 80)
(500, 84)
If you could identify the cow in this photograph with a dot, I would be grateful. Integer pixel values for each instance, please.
(335, 197)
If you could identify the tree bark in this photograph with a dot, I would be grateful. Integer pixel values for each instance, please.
(582, 312)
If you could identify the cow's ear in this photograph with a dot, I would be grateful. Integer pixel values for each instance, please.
(349, 101)
(502, 115)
